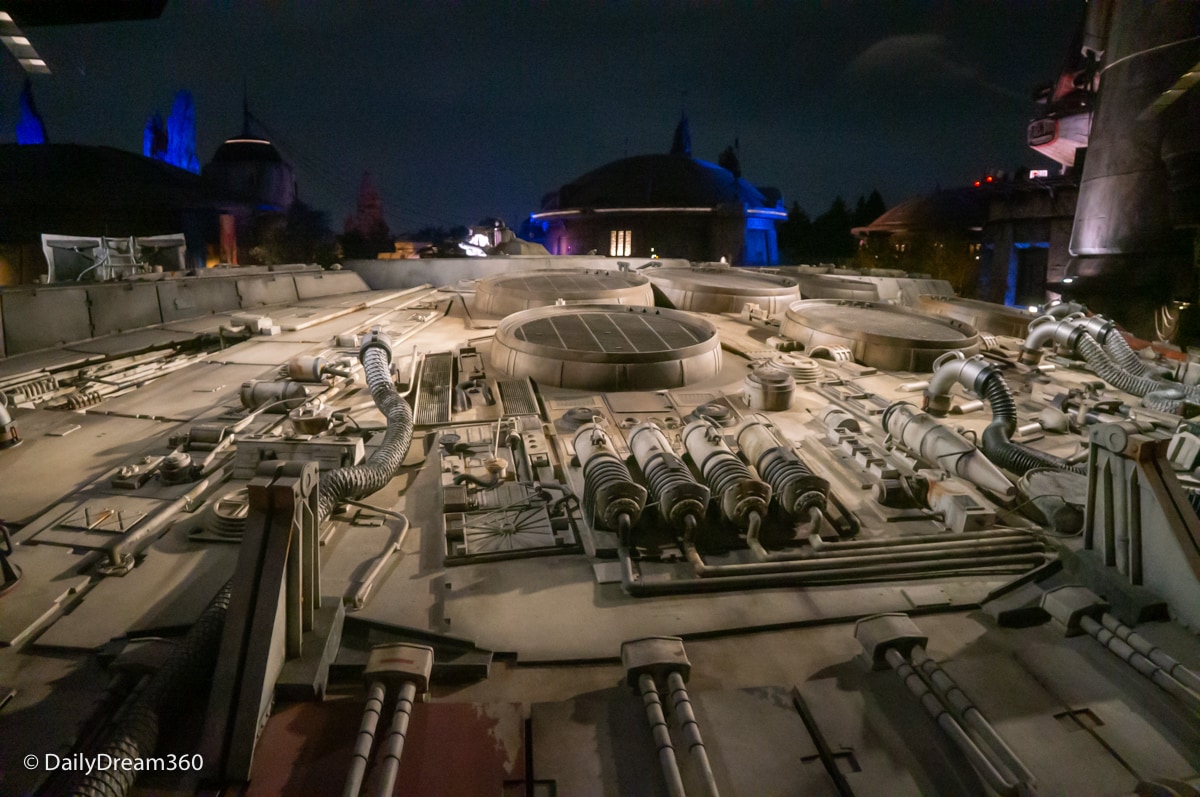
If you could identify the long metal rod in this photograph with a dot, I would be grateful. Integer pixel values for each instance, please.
(956, 699)
(396, 736)
(979, 762)
(365, 739)
(1142, 645)
(367, 582)
(691, 731)
(662, 735)
(944, 544)
(632, 583)
(1126, 652)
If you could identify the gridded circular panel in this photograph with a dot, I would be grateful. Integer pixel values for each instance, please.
(511, 293)
(880, 335)
(723, 290)
(593, 347)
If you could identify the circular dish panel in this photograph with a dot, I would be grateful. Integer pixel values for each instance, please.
(592, 347)
(511, 293)
(879, 335)
(723, 290)
(984, 316)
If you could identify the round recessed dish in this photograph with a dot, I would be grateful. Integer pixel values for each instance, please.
(723, 290)
(513, 292)
(605, 347)
(996, 319)
(879, 335)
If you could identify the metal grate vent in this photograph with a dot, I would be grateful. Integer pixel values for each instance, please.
(517, 397)
(433, 390)
(607, 348)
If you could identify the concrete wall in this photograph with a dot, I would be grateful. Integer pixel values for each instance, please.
(40, 317)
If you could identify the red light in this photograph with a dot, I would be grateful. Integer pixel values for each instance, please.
(976, 183)
(989, 178)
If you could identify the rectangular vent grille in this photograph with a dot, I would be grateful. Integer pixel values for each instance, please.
(517, 397)
(434, 390)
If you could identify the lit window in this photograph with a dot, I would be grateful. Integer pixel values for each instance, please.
(620, 243)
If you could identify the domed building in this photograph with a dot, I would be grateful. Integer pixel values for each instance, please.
(668, 205)
(250, 168)
(250, 177)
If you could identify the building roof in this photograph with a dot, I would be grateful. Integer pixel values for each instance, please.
(656, 181)
(72, 188)
(953, 209)
(245, 149)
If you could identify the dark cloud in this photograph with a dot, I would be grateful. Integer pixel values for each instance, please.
(924, 56)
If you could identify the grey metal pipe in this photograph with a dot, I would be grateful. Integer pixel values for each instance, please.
(1046, 328)
(124, 549)
(662, 735)
(884, 563)
(980, 542)
(632, 583)
(365, 739)
(1142, 645)
(396, 737)
(934, 708)
(948, 370)
(367, 582)
(917, 539)
(958, 701)
(1141, 663)
(691, 730)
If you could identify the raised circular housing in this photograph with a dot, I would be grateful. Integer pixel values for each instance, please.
(723, 290)
(879, 335)
(605, 347)
(984, 316)
(510, 293)
(829, 286)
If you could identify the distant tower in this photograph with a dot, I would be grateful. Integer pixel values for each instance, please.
(249, 168)
(250, 176)
(681, 144)
(30, 129)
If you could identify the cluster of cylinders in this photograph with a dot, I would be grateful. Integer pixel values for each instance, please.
(610, 492)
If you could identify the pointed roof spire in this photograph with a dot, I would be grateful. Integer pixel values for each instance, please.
(681, 144)
(245, 110)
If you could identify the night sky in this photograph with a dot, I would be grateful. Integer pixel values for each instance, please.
(466, 110)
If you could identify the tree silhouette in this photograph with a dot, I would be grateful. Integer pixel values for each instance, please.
(366, 233)
(154, 137)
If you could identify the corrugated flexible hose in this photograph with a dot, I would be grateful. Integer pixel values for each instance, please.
(996, 440)
(191, 662)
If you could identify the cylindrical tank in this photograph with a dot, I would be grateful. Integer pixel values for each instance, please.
(796, 487)
(282, 395)
(608, 490)
(739, 492)
(1141, 180)
(677, 492)
(769, 389)
(939, 445)
(306, 368)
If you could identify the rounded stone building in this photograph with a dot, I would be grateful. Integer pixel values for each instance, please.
(666, 205)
